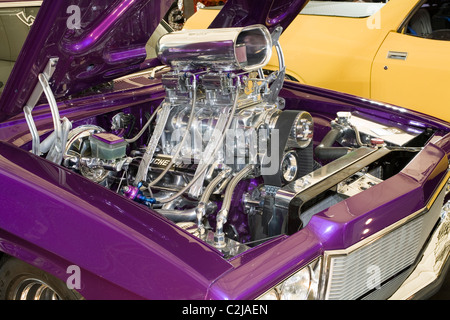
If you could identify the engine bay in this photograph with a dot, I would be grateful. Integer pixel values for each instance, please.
(224, 156)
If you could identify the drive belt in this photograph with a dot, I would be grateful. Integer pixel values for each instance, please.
(284, 126)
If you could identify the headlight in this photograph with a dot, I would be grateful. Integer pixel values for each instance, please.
(302, 285)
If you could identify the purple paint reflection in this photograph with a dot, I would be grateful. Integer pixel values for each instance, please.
(102, 28)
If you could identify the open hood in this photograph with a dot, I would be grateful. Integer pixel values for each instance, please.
(92, 41)
(97, 41)
(271, 13)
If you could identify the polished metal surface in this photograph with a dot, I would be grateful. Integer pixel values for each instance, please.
(321, 180)
(42, 85)
(150, 150)
(247, 48)
(289, 166)
(208, 155)
(34, 289)
(302, 132)
(359, 131)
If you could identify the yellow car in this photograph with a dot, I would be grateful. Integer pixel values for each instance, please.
(396, 52)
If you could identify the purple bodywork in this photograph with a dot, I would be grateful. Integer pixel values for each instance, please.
(53, 218)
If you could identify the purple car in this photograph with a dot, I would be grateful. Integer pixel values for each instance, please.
(176, 168)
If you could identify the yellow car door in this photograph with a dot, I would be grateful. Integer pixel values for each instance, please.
(412, 66)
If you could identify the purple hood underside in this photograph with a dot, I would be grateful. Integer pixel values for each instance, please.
(110, 43)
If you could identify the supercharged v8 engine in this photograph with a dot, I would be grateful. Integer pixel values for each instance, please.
(219, 144)
(217, 134)
(221, 157)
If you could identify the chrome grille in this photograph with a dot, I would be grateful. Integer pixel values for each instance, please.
(354, 274)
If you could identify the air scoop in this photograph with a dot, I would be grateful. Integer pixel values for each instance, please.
(248, 48)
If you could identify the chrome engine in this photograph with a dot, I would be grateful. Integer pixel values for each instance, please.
(215, 138)
(223, 159)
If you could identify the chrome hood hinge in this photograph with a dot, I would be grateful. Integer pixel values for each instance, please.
(54, 144)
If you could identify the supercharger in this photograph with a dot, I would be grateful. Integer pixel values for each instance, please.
(221, 143)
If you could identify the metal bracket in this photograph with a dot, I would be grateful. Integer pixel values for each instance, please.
(54, 144)
(279, 75)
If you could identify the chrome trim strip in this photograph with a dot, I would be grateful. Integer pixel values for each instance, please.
(21, 4)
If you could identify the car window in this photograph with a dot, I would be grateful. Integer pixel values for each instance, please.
(15, 24)
(346, 8)
(431, 21)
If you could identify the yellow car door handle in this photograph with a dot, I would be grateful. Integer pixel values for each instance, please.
(396, 55)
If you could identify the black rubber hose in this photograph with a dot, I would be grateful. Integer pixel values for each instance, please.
(326, 151)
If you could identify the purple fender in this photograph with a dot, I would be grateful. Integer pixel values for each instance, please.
(50, 218)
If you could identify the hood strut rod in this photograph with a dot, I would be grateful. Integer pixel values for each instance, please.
(54, 144)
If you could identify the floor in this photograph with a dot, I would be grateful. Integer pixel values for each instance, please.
(444, 292)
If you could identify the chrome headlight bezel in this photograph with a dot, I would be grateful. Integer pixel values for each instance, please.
(301, 285)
